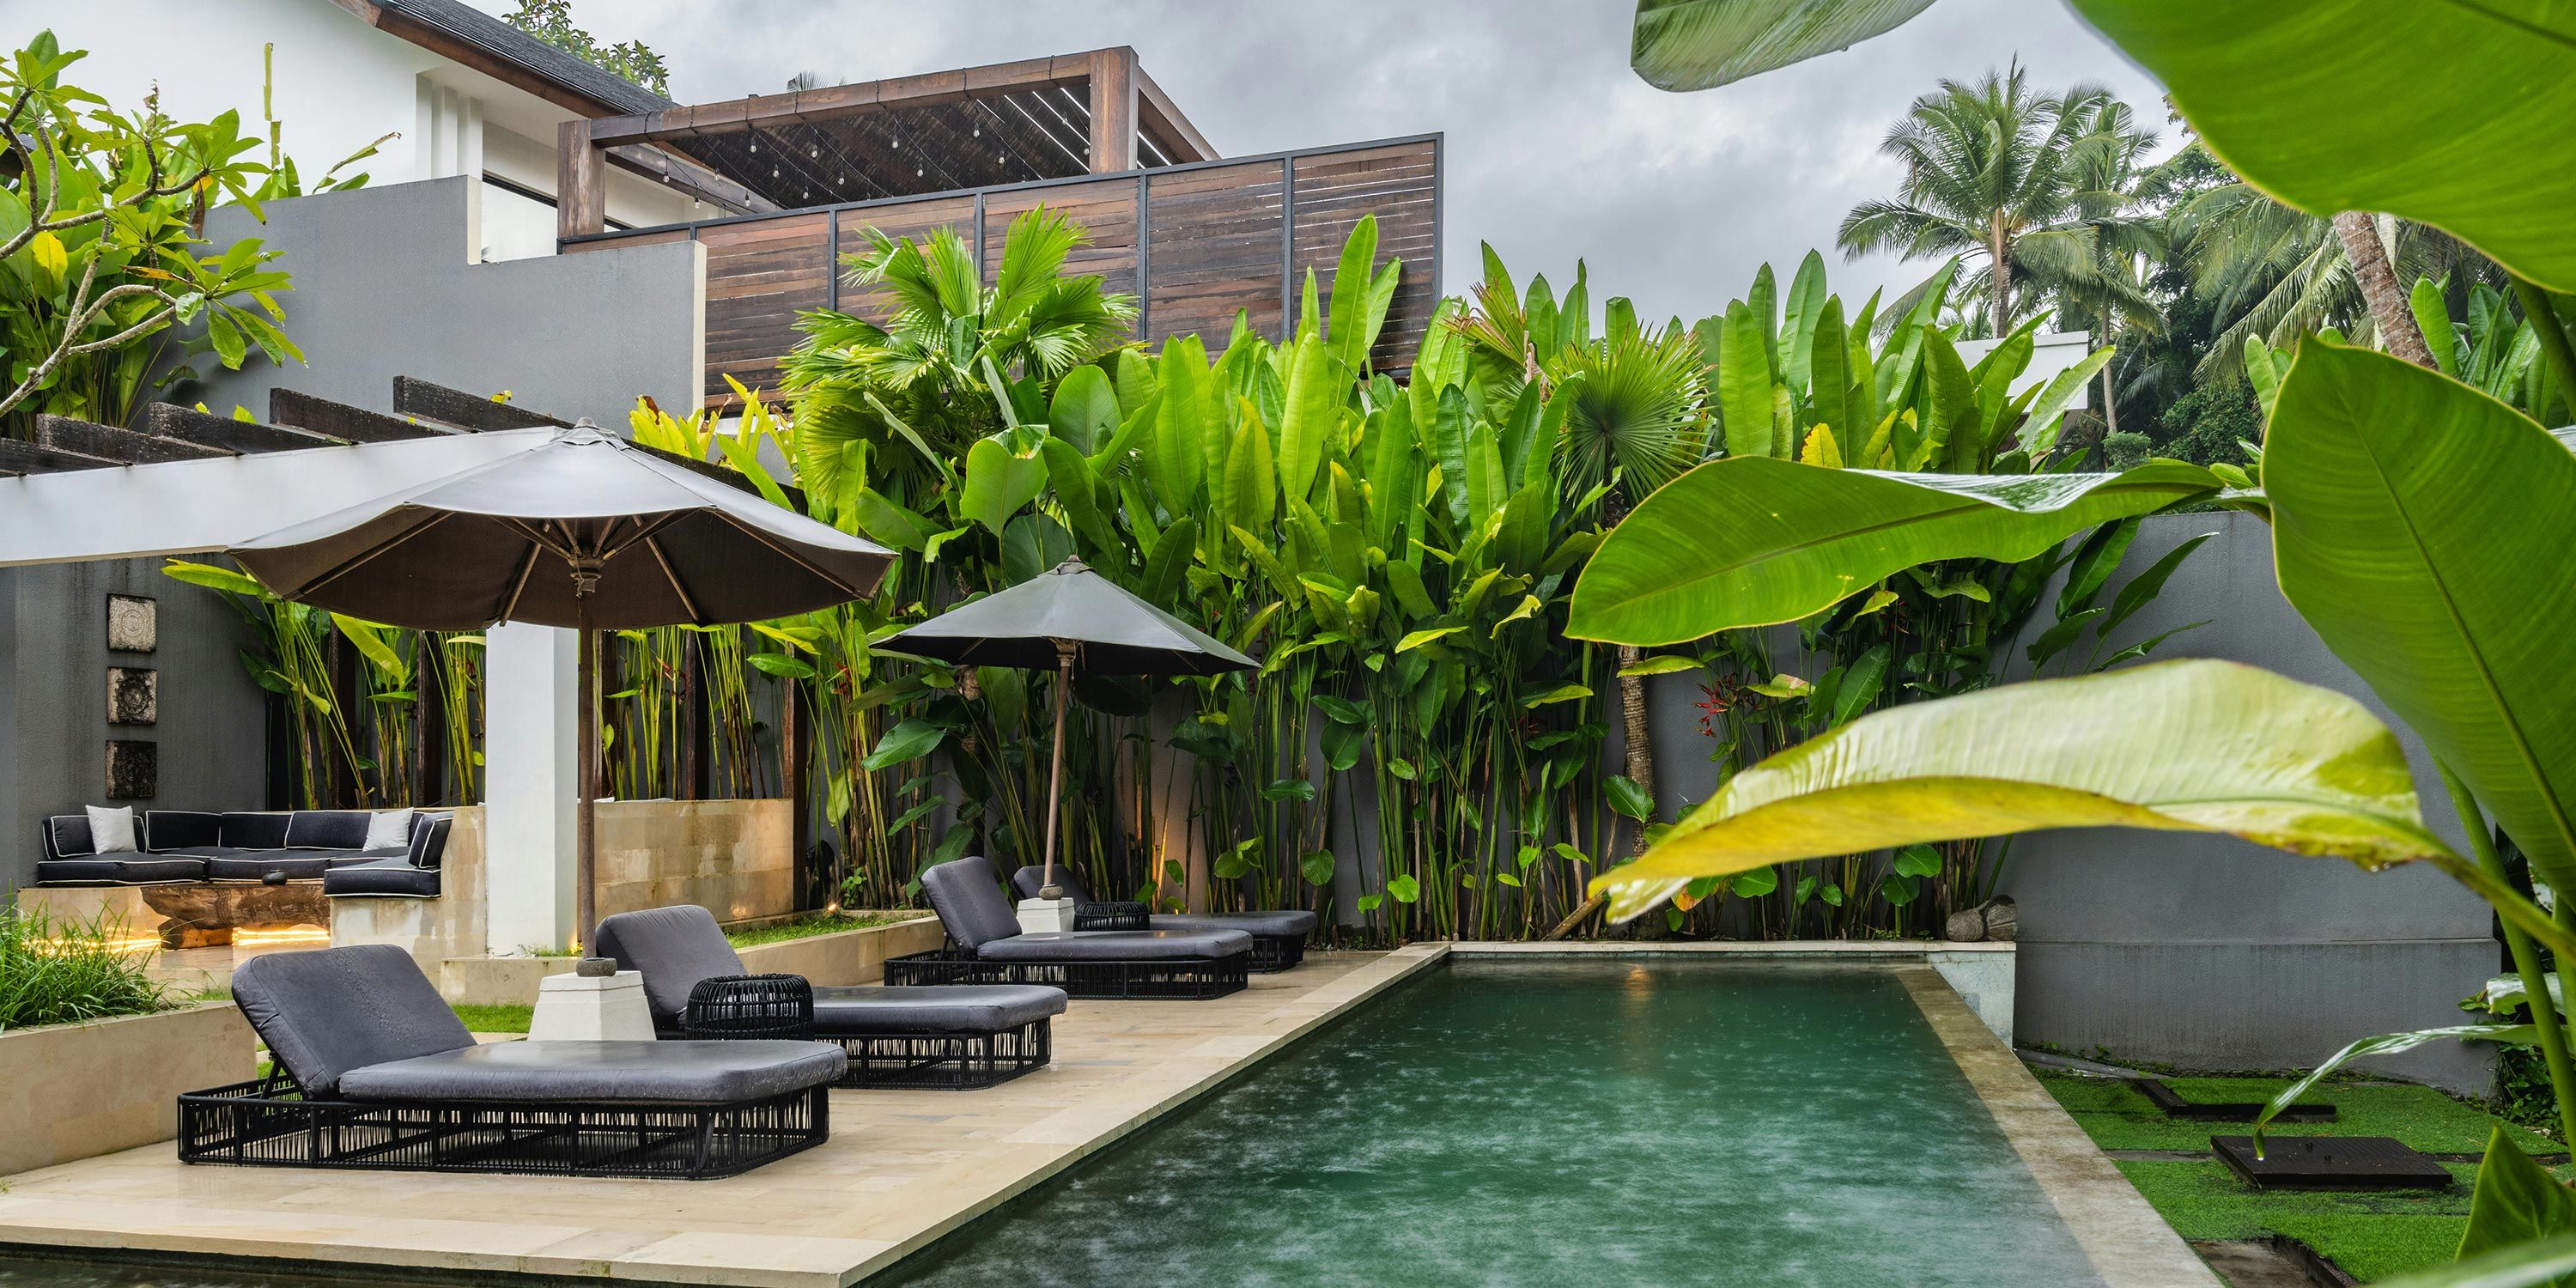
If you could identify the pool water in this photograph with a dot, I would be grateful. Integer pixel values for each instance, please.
(1555, 1123)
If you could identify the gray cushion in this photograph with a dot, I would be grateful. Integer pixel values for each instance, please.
(394, 877)
(1117, 945)
(256, 831)
(674, 947)
(684, 1073)
(872, 1010)
(255, 865)
(330, 1010)
(1283, 922)
(327, 829)
(429, 839)
(969, 900)
(67, 836)
(149, 869)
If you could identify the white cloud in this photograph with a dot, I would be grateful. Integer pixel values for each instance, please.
(1553, 148)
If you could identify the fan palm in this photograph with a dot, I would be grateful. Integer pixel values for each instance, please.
(918, 388)
(2002, 171)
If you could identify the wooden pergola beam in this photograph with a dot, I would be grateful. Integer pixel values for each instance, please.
(1160, 119)
(1113, 110)
(829, 102)
(682, 174)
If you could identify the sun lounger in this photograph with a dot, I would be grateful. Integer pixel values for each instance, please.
(956, 1037)
(987, 946)
(372, 1070)
(1278, 937)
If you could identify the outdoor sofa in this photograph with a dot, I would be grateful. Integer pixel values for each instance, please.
(957, 1037)
(1278, 937)
(987, 946)
(181, 846)
(372, 1070)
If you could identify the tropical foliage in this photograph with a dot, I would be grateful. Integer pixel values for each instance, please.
(103, 257)
(2461, 628)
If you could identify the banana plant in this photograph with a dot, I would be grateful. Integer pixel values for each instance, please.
(2462, 626)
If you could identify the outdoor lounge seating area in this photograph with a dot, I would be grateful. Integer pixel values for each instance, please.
(374, 1071)
(391, 853)
(987, 946)
(1278, 936)
(960, 1037)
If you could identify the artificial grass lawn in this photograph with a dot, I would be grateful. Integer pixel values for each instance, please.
(496, 1019)
(2372, 1236)
(820, 924)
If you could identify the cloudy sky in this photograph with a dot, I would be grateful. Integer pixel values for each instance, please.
(1554, 149)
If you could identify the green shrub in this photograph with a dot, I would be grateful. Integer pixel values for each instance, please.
(62, 970)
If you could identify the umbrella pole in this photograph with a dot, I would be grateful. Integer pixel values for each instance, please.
(586, 716)
(1055, 772)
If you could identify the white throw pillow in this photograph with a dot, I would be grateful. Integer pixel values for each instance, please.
(388, 828)
(111, 831)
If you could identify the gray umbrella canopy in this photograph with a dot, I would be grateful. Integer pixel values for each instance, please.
(500, 543)
(587, 532)
(1075, 622)
(1110, 631)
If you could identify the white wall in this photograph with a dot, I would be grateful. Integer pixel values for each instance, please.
(339, 84)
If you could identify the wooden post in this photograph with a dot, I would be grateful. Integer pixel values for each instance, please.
(581, 182)
(1113, 110)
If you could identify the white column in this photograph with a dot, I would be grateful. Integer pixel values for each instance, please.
(529, 781)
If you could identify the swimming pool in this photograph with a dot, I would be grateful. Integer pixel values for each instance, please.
(1562, 1122)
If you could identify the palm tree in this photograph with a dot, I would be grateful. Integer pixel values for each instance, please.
(1991, 166)
(2093, 259)
(2274, 272)
(921, 386)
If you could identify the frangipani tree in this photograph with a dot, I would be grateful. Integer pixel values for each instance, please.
(2420, 525)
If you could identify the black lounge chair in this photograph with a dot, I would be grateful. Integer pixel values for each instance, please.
(987, 946)
(373, 1071)
(1278, 936)
(956, 1038)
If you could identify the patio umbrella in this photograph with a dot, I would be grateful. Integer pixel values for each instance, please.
(588, 532)
(1078, 623)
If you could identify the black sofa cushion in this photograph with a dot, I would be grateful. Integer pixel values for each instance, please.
(327, 829)
(178, 831)
(394, 878)
(1116, 946)
(683, 1073)
(139, 869)
(255, 831)
(67, 836)
(968, 897)
(328, 1011)
(673, 948)
(429, 840)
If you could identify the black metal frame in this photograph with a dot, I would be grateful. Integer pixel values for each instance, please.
(1190, 979)
(269, 1123)
(1113, 915)
(782, 1007)
(1272, 954)
(947, 1061)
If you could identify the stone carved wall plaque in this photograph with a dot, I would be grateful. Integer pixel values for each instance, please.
(133, 623)
(133, 695)
(133, 770)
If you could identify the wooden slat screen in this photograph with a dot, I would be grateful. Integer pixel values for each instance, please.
(1236, 235)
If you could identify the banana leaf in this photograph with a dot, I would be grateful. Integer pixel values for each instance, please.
(1701, 44)
(2528, 1265)
(2517, 1204)
(2423, 528)
(2354, 105)
(2192, 746)
(1753, 541)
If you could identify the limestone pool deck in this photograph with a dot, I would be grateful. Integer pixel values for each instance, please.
(904, 1167)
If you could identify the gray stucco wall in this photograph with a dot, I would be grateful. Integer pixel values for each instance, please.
(384, 287)
(53, 700)
(2206, 951)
